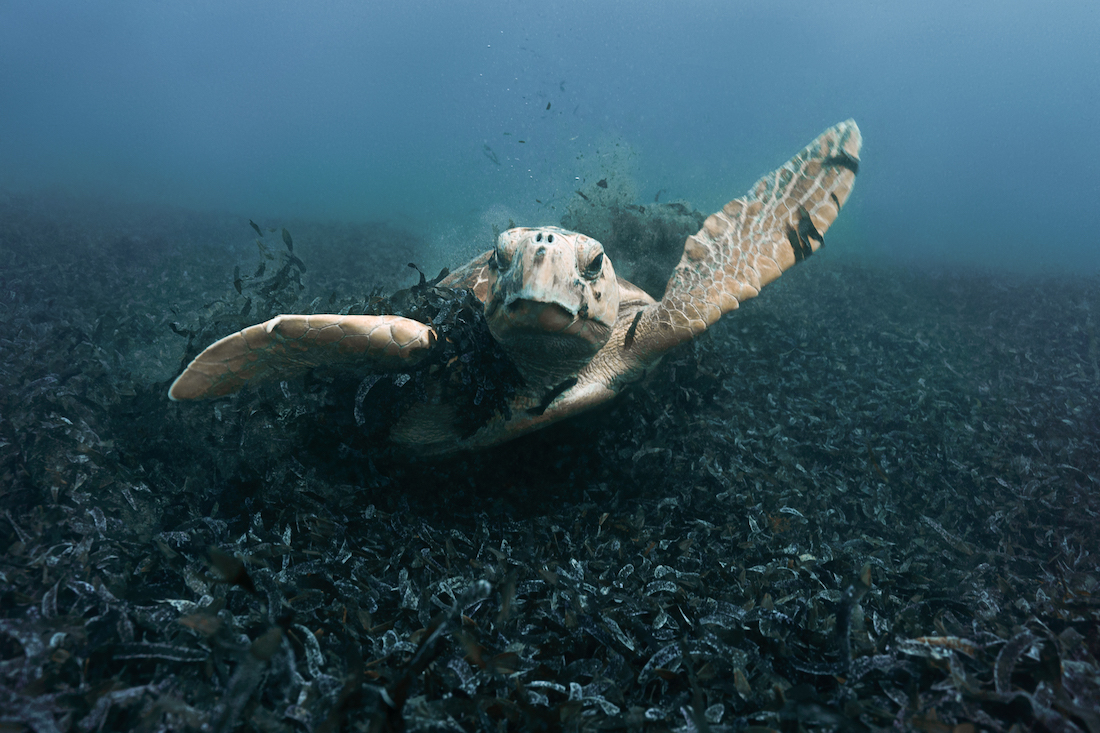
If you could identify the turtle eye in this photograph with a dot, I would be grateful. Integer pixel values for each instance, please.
(594, 267)
(498, 260)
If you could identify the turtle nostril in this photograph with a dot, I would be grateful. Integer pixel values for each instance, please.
(550, 238)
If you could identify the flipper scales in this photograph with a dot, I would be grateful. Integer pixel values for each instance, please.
(288, 345)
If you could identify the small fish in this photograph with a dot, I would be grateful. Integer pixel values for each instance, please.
(287, 240)
(579, 193)
(488, 153)
(521, 141)
(255, 226)
(260, 269)
(547, 105)
(602, 183)
(247, 307)
(237, 278)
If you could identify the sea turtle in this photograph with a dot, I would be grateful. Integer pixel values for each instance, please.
(576, 333)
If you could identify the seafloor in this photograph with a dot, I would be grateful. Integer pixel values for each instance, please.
(867, 500)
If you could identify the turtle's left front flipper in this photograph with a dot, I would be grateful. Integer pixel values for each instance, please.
(752, 240)
(290, 345)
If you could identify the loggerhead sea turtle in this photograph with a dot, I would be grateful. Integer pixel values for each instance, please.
(576, 333)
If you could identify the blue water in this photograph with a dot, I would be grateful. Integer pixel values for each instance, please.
(980, 120)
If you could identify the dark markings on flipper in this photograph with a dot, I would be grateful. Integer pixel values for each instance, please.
(801, 237)
(806, 228)
(836, 201)
(843, 160)
(551, 396)
(629, 340)
(801, 250)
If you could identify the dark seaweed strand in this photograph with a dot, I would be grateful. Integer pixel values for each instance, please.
(697, 700)
(629, 340)
(851, 598)
(476, 372)
(551, 396)
(396, 693)
(853, 594)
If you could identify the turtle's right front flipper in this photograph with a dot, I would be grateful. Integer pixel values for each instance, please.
(290, 345)
(749, 243)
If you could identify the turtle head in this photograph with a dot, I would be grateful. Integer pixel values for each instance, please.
(552, 300)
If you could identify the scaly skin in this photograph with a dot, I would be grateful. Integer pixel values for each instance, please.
(754, 239)
(291, 344)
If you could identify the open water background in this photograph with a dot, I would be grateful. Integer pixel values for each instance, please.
(447, 118)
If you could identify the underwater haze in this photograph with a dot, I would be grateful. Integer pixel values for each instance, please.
(251, 469)
(979, 119)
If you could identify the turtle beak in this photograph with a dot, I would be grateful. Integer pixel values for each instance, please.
(534, 315)
(536, 289)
